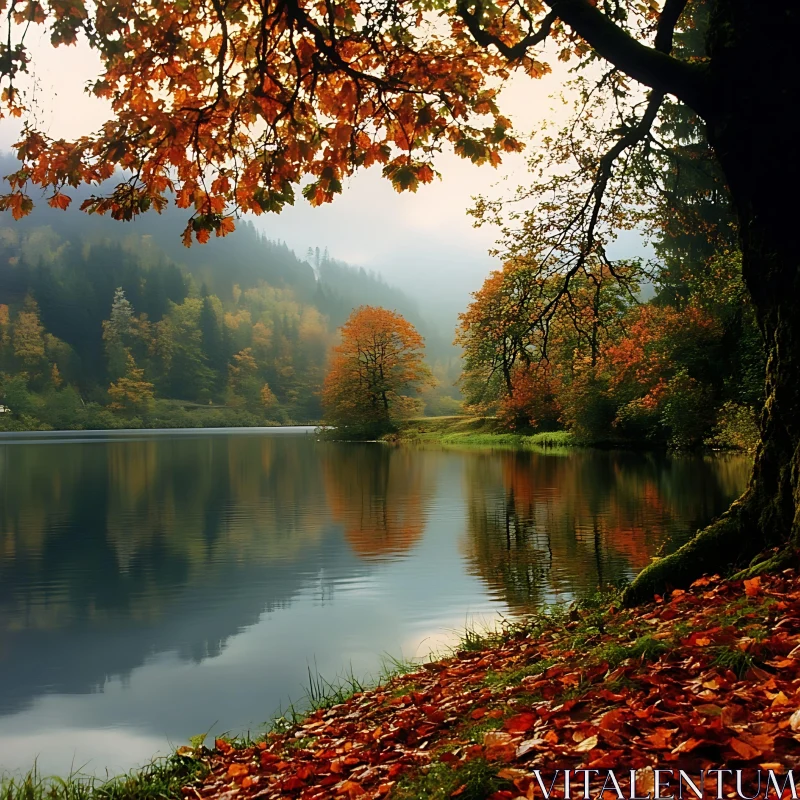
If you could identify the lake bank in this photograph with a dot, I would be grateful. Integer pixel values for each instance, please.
(473, 431)
(703, 679)
(489, 432)
(163, 567)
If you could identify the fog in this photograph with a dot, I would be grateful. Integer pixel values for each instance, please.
(423, 243)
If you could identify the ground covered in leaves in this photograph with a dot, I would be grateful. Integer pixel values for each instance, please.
(706, 678)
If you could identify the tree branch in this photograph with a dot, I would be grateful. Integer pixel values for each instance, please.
(650, 66)
(472, 19)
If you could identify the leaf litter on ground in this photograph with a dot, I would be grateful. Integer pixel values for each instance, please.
(701, 679)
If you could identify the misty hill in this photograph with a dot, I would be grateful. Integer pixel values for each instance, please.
(88, 303)
(243, 258)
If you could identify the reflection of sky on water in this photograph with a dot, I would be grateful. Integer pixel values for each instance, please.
(232, 638)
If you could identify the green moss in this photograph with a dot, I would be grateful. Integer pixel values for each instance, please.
(439, 781)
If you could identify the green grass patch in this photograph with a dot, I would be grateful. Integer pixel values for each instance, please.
(743, 612)
(478, 432)
(475, 731)
(161, 780)
(514, 677)
(439, 781)
(645, 648)
(734, 659)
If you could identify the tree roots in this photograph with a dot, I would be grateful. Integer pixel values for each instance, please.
(727, 542)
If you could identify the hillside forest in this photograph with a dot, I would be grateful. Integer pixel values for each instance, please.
(105, 325)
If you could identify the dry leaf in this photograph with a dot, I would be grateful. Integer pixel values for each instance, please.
(586, 745)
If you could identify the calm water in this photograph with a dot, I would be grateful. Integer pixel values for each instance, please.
(154, 586)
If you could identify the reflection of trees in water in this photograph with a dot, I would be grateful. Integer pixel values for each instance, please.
(119, 526)
(379, 494)
(543, 526)
(113, 551)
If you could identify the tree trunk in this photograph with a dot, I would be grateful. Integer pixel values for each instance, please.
(755, 90)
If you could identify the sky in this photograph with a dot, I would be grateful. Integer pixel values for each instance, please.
(423, 243)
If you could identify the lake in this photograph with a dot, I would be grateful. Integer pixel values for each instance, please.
(157, 585)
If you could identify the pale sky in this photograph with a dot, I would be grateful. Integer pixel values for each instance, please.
(423, 243)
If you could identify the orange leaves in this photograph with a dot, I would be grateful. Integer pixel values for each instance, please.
(284, 98)
(406, 175)
(744, 750)
(654, 333)
(18, 203)
(226, 226)
(59, 200)
(238, 770)
(661, 717)
(377, 363)
(752, 587)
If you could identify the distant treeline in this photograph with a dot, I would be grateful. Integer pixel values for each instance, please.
(105, 324)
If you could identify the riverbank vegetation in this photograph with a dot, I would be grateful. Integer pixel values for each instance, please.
(477, 432)
(695, 680)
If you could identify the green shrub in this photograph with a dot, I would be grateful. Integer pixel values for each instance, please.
(686, 411)
(736, 428)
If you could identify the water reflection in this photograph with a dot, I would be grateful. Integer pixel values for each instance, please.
(549, 526)
(112, 551)
(380, 495)
(152, 584)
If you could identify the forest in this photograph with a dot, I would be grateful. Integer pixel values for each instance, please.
(109, 326)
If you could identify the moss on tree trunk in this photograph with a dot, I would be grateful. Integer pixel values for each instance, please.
(753, 73)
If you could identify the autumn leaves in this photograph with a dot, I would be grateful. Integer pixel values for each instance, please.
(374, 372)
(595, 703)
(233, 107)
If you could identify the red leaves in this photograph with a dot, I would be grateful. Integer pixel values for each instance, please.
(521, 723)
(681, 708)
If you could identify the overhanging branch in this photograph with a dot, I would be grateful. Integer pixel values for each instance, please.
(472, 19)
(651, 66)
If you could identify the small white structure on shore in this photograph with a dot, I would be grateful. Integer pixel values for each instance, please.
(4, 409)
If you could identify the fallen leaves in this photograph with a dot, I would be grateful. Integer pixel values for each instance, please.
(729, 692)
(752, 587)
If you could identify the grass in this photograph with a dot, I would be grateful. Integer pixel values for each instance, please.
(477, 432)
(477, 777)
(515, 677)
(160, 780)
(734, 659)
(644, 649)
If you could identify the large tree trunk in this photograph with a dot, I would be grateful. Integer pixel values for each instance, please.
(755, 91)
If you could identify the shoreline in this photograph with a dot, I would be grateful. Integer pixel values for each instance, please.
(133, 433)
(705, 678)
(465, 431)
(448, 431)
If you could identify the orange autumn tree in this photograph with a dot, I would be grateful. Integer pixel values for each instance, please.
(524, 343)
(374, 371)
